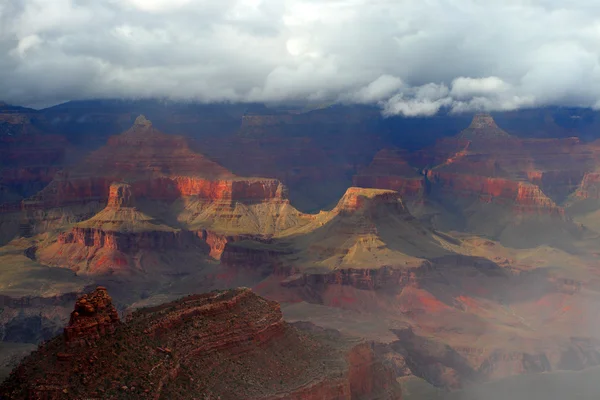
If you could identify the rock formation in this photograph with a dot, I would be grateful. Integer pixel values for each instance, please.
(94, 317)
(112, 240)
(228, 345)
(486, 181)
(158, 166)
(483, 126)
(183, 186)
(368, 229)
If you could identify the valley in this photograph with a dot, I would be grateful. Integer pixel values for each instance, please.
(469, 261)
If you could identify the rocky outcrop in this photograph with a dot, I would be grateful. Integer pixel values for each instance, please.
(231, 344)
(94, 317)
(407, 187)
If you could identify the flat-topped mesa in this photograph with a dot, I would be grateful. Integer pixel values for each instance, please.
(120, 195)
(483, 126)
(94, 316)
(369, 201)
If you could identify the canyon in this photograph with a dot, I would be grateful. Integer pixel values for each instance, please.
(469, 259)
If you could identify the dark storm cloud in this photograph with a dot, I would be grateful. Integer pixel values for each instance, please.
(412, 57)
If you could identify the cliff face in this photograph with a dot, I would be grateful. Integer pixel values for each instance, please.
(224, 344)
(127, 242)
(521, 196)
(257, 207)
(64, 191)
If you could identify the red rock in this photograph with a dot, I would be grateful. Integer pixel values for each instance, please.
(522, 196)
(110, 241)
(94, 316)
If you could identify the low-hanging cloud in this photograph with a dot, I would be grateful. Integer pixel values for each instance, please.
(411, 57)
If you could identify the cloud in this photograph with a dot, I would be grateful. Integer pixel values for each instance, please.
(411, 57)
(464, 88)
(425, 100)
(380, 89)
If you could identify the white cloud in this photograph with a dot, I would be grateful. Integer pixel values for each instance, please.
(27, 43)
(412, 57)
(380, 89)
(468, 87)
(412, 107)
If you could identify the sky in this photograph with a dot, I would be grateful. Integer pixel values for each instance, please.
(409, 57)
